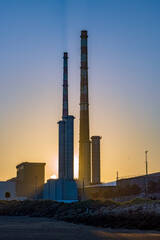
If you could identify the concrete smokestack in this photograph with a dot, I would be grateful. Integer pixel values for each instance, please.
(95, 159)
(62, 132)
(69, 139)
(65, 85)
(84, 142)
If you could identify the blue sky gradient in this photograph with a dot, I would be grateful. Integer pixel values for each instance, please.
(124, 80)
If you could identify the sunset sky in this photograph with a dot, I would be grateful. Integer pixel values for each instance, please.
(124, 81)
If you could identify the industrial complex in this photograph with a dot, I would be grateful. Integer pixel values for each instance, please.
(30, 180)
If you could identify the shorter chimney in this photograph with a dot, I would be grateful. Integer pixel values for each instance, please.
(95, 159)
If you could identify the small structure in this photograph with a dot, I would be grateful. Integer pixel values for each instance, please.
(96, 159)
(7, 190)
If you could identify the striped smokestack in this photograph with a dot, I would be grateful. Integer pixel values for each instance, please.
(66, 131)
(65, 85)
(62, 124)
(84, 142)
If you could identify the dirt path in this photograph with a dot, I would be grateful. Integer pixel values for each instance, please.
(25, 228)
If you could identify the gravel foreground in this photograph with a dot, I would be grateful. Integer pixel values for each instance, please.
(27, 228)
(141, 214)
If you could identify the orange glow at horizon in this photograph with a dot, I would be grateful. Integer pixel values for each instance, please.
(123, 76)
(76, 166)
(54, 167)
(54, 176)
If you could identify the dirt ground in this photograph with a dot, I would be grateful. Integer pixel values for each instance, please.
(26, 228)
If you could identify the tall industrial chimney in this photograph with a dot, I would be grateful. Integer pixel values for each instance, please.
(62, 124)
(66, 131)
(65, 85)
(95, 159)
(84, 141)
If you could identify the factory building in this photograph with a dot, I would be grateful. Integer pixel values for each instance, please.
(153, 181)
(96, 191)
(28, 184)
(95, 159)
(30, 180)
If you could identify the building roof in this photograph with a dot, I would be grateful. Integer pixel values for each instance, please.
(30, 163)
(140, 176)
(109, 184)
(12, 179)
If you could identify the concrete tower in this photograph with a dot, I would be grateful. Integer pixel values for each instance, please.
(62, 147)
(95, 159)
(84, 141)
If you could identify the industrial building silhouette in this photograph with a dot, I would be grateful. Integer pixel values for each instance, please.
(29, 182)
(30, 176)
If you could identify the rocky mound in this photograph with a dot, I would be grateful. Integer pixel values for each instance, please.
(135, 214)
